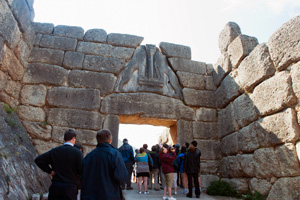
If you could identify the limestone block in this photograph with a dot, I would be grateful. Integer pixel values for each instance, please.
(248, 140)
(210, 149)
(43, 28)
(227, 166)
(30, 113)
(175, 50)
(124, 40)
(298, 150)
(209, 83)
(262, 186)
(274, 94)
(240, 184)
(56, 42)
(190, 80)
(184, 131)
(73, 60)
(43, 146)
(227, 35)
(209, 166)
(95, 35)
(146, 105)
(29, 35)
(283, 44)
(48, 56)
(207, 179)
(244, 110)
(206, 115)
(237, 166)
(69, 31)
(111, 122)
(228, 90)
(226, 122)
(9, 29)
(75, 118)
(36, 197)
(2, 46)
(12, 65)
(105, 50)
(295, 73)
(241, 47)
(205, 130)
(256, 68)
(247, 165)
(22, 52)
(285, 188)
(37, 130)
(33, 95)
(199, 98)
(3, 80)
(221, 68)
(12, 102)
(45, 74)
(209, 69)
(37, 40)
(229, 144)
(13, 89)
(81, 98)
(103, 64)
(102, 81)
(184, 65)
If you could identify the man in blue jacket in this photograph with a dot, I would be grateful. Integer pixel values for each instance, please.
(103, 170)
(128, 158)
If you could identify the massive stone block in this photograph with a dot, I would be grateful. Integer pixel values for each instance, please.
(190, 80)
(295, 73)
(184, 65)
(184, 131)
(175, 50)
(124, 40)
(38, 131)
(33, 95)
(3, 80)
(69, 31)
(102, 81)
(207, 179)
(199, 98)
(73, 60)
(229, 144)
(274, 94)
(210, 149)
(262, 186)
(285, 188)
(206, 115)
(95, 35)
(209, 83)
(13, 88)
(256, 68)
(205, 130)
(56, 42)
(12, 65)
(209, 166)
(22, 52)
(240, 184)
(103, 64)
(43, 28)
(226, 122)
(111, 122)
(283, 44)
(248, 138)
(44, 73)
(227, 35)
(237, 166)
(221, 69)
(75, 118)
(29, 113)
(298, 150)
(146, 105)
(48, 56)
(86, 99)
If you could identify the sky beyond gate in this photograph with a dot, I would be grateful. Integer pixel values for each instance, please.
(194, 23)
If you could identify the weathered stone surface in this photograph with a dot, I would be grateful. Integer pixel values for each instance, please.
(43, 146)
(44, 73)
(105, 50)
(210, 149)
(95, 35)
(209, 83)
(48, 56)
(37, 40)
(56, 42)
(69, 31)
(12, 65)
(209, 166)
(229, 144)
(9, 26)
(295, 73)
(227, 35)
(184, 131)
(146, 105)
(2, 46)
(124, 40)
(103, 64)
(73, 60)
(209, 69)
(43, 28)
(3, 80)
(13, 89)
(33, 95)
(175, 50)
(244, 110)
(184, 65)
(205, 130)
(207, 179)
(228, 90)
(221, 69)
(37, 130)
(30, 113)
(262, 186)
(86, 99)
(75, 118)
(22, 52)
(285, 188)
(298, 150)
(12, 102)
(226, 122)
(206, 115)
(240, 184)
(255, 68)
(199, 98)
(274, 94)
(248, 138)
(283, 44)
(102, 81)
(240, 48)
(111, 122)
(190, 80)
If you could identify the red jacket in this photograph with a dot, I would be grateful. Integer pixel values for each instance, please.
(167, 162)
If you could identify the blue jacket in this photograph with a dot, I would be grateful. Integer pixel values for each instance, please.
(103, 171)
(180, 161)
(127, 153)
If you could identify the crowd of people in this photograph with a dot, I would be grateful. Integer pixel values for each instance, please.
(106, 171)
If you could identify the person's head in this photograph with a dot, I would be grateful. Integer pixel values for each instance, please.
(194, 143)
(183, 150)
(137, 151)
(142, 150)
(186, 145)
(104, 136)
(153, 148)
(70, 136)
(125, 140)
(145, 146)
(78, 146)
(171, 149)
(165, 145)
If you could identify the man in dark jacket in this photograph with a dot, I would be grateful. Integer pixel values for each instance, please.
(155, 168)
(103, 171)
(64, 164)
(128, 158)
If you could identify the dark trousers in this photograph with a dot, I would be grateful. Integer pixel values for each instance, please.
(62, 191)
(196, 183)
(129, 170)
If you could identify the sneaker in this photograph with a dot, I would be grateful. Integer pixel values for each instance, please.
(129, 188)
(184, 191)
(146, 192)
(175, 193)
(139, 192)
(200, 189)
(172, 198)
(165, 198)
